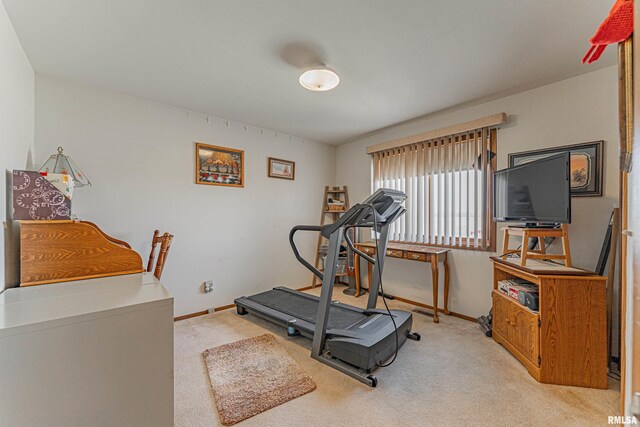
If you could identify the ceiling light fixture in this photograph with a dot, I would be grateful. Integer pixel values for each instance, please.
(319, 78)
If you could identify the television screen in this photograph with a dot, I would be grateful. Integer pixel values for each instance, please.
(535, 192)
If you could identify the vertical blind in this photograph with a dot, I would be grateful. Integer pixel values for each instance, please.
(449, 187)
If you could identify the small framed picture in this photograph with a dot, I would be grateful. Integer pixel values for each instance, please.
(586, 165)
(219, 166)
(284, 169)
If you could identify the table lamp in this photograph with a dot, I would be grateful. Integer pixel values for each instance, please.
(62, 164)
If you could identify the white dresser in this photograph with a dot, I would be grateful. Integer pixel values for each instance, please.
(95, 352)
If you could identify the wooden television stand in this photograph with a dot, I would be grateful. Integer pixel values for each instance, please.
(565, 342)
(541, 253)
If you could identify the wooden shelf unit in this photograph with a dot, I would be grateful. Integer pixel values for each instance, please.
(565, 342)
(328, 216)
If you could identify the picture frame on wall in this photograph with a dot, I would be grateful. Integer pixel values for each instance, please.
(216, 165)
(586, 165)
(283, 169)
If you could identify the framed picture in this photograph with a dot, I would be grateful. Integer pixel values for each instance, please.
(284, 169)
(586, 165)
(219, 166)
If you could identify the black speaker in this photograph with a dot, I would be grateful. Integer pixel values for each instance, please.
(529, 300)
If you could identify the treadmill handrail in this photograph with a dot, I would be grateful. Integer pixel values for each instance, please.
(356, 250)
(303, 261)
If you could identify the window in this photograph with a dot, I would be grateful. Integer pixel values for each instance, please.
(449, 187)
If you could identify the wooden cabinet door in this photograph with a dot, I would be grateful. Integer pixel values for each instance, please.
(500, 315)
(524, 332)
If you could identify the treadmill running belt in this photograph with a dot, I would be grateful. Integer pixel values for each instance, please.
(306, 309)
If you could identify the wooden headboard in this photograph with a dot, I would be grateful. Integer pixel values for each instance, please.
(61, 251)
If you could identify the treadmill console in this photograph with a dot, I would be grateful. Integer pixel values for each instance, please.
(386, 203)
(387, 207)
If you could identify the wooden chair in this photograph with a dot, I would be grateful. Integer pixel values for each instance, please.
(165, 244)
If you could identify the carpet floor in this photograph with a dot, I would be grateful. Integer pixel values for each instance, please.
(454, 376)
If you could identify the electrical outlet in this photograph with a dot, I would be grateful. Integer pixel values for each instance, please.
(208, 286)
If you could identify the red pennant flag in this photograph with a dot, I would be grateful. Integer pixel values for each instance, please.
(615, 29)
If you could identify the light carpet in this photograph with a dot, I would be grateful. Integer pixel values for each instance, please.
(453, 376)
(253, 375)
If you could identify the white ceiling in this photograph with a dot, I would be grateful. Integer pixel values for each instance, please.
(241, 59)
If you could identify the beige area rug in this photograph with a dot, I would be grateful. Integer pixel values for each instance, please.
(252, 375)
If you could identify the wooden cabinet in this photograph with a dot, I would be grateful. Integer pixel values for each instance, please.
(500, 315)
(518, 325)
(524, 332)
(565, 342)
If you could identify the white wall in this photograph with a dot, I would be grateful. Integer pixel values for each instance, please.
(139, 156)
(16, 133)
(576, 110)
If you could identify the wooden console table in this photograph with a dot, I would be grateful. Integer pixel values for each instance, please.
(565, 341)
(413, 253)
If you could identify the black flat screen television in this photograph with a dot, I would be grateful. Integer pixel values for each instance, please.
(536, 192)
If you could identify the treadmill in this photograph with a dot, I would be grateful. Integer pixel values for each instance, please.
(352, 340)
